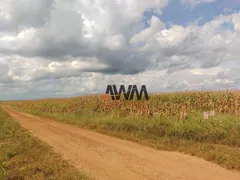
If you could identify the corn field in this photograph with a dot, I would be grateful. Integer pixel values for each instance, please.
(174, 105)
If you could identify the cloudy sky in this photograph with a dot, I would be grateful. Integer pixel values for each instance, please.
(63, 48)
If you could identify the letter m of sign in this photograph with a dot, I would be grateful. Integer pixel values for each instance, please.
(129, 95)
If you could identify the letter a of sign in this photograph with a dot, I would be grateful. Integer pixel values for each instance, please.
(109, 91)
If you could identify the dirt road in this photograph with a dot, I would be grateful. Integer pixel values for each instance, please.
(109, 158)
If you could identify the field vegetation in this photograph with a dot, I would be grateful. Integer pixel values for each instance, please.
(168, 121)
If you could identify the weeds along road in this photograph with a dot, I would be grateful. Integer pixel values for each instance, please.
(108, 158)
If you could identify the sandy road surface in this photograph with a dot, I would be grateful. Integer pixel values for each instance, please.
(109, 158)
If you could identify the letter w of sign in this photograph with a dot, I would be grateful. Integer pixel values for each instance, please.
(129, 95)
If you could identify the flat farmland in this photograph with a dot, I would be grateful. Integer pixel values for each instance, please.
(168, 121)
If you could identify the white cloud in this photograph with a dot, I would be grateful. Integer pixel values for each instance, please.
(236, 22)
(224, 81)
(114, 42)
(211, 71)
(149, 33)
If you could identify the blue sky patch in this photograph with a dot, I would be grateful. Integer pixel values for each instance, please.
(182, 14)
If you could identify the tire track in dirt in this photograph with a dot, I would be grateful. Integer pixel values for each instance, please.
(108, 158)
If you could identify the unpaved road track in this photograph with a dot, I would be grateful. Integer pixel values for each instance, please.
(109, 158)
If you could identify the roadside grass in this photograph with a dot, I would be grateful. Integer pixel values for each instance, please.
(25, 157)
(216, 139)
